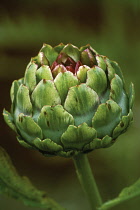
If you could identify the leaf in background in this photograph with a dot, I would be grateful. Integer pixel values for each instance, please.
(126, 194)
(21, 188)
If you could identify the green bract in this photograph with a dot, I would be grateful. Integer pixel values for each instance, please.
(70, 101)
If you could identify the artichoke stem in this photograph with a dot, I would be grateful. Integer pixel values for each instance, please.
(87, 180)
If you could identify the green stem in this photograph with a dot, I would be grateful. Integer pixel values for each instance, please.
(87, 180)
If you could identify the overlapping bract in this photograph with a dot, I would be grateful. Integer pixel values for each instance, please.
(70, 101)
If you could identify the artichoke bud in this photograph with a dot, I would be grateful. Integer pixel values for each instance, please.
(70, 101)
(88, 58)
(40, 59)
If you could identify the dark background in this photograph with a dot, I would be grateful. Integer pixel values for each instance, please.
(112, 28)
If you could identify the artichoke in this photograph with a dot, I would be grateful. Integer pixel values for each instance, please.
(71, 100)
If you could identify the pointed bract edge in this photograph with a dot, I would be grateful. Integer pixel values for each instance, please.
(75, 138)
(58, 69)
(44, 72)
(118, 94)
(54, 121)
(82, 103)
(106, 141)
(65, 154)
(59, 48)
(13, 93)
(20, 81)
(30, 76)
(94, 51)
(44, 45)
(82, 48)
(13, 90)
(72, 51)
(100, 61)
(25, 144)
(106, 118)
(40, 59)
(81, 99)
(47, 145)
(63, 82)
(9, 120)
(28, 128)
(118, 70)
(123, 125)
(96, 80)
(45, 93)
(68, 154)
(94, 144)
(131, 95)
(82, 73)
(110, 69)
(23, 102)
(97, 143)
(87, 58)
(49, 52)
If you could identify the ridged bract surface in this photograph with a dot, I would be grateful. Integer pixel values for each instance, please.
(70, 100)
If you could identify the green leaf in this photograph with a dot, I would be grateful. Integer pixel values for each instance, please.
(117, 70)
(106, 118)
(126, 194)
(82, 48)
(82, 73)
(23, 103)
(47, 145)
(13, 91)
(45, 93)
(63, 82)
(118, 94)
(87, 47)
(44, 72)
(24, 144)
(82, 103)
(59, 47)
(106, 141)
(28, 129)
(72, 52)
(87, 58)
(20, 188)
(40, 59)
(59, 68)
(54, 121)
(76, 137)
(100, 61)
(93, 51)
(94, 144)
(30, 77)
(96, 79)
(123, 125)
(67, 154)
(9, 120)
(98, 143)
(49, 52)
(110, 69)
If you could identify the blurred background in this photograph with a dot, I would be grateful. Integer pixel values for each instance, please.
(112, 28)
